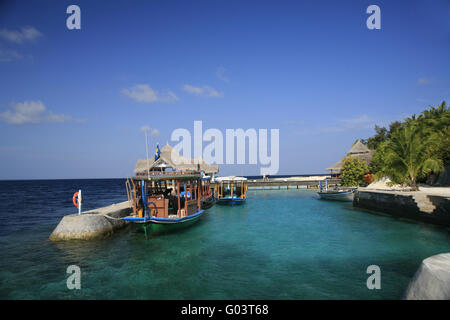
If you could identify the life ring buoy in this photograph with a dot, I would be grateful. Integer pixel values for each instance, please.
(74, 199)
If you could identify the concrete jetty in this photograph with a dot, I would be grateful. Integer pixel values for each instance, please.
(432, 280)
(93, 224)
(431, 205)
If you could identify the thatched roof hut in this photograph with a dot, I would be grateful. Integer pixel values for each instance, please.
(169, 158)
(359, 150)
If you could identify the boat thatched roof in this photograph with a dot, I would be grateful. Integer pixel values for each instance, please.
(358, 150)
(172, 159)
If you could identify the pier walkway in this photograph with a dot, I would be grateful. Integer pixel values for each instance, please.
(278, 184)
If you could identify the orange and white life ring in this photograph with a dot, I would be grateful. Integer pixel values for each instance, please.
(74, 199)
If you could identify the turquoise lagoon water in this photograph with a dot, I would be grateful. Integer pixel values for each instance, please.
(283, 244)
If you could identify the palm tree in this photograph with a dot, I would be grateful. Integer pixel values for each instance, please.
(407, 154)
(438, 117)
(437, 121)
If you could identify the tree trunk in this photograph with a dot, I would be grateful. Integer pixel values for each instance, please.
(414, 185)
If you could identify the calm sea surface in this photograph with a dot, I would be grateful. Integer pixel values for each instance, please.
(283, 244)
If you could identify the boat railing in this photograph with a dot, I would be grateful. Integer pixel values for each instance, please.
(128, 188)
(131, 193)
(231, 189)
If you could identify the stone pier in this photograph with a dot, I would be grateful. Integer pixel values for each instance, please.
(93, 224)
(432, 280)
(426, 206)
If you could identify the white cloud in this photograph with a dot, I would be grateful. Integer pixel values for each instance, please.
(205, 91)
(220, 73)
(293, 122)
(359, 120)
(32, 112)
(145, 93)
(20, 36)
(9, 55)
(355, 123)
(152, 132)
(423, 81)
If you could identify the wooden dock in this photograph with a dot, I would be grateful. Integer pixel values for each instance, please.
(288, 184)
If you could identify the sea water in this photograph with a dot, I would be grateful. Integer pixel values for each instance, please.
(281, 244)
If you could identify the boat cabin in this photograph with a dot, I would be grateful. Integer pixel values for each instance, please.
(165, 195)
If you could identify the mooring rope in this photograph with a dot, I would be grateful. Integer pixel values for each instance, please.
(105, 215)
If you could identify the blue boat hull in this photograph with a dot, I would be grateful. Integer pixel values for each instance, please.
(165, 221)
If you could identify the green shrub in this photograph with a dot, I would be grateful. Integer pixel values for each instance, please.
(353, 171)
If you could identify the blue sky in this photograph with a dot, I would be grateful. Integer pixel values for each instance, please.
(72, 102)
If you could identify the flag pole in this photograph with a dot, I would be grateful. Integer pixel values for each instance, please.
(146, 148)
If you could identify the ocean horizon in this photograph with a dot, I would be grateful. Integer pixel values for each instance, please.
(248, 177)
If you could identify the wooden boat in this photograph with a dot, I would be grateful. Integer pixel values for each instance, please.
(208, 202)
(165, 198)
(336, 195)
(230, 190)
(207, 195)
